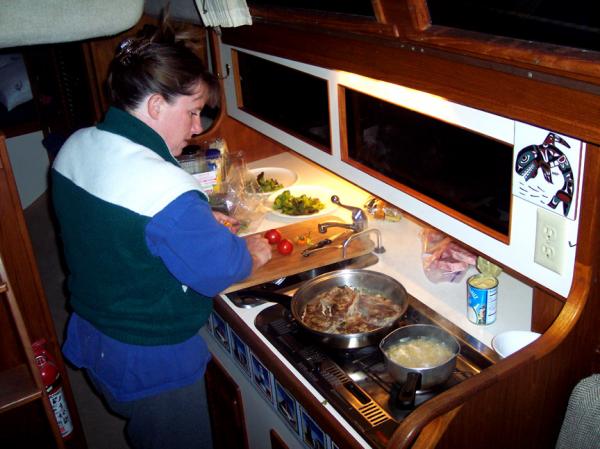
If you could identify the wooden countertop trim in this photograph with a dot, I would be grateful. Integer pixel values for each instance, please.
(410, 428)
(432, 432)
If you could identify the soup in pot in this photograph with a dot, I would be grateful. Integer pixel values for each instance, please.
(419, 352)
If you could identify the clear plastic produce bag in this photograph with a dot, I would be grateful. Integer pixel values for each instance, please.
(444, 260)
(240, 195)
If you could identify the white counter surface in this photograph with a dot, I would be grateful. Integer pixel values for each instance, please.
(402, 259)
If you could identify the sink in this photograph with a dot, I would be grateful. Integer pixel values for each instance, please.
(289, 284)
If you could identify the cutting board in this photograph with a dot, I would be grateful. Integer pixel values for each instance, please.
(286, 265)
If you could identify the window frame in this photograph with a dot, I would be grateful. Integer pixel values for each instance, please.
(515, 253)
(410, 21)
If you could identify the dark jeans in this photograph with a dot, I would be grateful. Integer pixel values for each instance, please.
(175, 419)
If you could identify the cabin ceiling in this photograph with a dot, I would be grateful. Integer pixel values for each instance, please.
(51, 21)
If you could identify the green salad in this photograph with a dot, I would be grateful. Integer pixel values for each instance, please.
(267, 184)
(289, 204)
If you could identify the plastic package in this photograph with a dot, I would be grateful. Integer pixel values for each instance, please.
(206, 162)
(443, 259)
(238, 197)
(380, 210)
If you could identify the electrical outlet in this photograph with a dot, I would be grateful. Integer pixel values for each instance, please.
(550, 240)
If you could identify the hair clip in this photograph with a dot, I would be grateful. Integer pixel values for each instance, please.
(125, 51)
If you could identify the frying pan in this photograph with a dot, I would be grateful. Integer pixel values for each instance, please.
(418, 378)
(369, 281)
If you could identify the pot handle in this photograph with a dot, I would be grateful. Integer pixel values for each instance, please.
(279, 298)
(405, 398)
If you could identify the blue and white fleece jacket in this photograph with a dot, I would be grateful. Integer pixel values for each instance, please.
(137, 231)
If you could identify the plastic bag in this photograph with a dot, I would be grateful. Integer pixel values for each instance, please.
(443, 259)
(240, 195)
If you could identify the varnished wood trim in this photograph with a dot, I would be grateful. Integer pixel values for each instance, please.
(409, 429)
(212, 373)
(563, 61)
(343, 114)
(588, 244)
(21, 266)
(322, 19)
(488, 85)
(236, 79)
(419, 13)
(410, 20)
(215, 129)
(545, 309)
(432, 432)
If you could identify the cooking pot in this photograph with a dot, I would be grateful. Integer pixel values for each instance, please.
(368, 281)
(418, 378)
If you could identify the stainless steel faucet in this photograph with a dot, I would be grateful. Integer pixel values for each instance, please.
(359, 218)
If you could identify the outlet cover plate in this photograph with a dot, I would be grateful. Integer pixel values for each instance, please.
(550, 240)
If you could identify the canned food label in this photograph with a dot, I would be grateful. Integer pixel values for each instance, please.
(481, 299)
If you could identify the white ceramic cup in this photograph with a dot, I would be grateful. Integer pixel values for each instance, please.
(507, 343)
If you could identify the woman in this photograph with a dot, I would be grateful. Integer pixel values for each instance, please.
(145, 252)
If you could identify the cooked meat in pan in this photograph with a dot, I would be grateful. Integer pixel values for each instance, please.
(345, 310)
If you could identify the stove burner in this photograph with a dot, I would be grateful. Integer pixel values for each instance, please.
(356, 381)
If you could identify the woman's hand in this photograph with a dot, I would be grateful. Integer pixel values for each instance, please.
(226, 220)
(259, 249)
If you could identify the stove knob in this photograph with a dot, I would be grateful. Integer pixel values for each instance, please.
(316, 366)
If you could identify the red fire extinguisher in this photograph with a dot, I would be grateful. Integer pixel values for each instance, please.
(53, 384)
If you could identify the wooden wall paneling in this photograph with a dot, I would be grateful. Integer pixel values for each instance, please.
(578, 64)
(17, 253)
(240, 137)
(545, 309)
(410, 20)
(550, 102)
(588, 246)
(21, 268)
(433, 431)
(301, 18)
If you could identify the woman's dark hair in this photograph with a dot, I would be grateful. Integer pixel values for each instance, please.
(159, 60)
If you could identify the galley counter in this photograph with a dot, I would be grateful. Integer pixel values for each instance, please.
(316, 420)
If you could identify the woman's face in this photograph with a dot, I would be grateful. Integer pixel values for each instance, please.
(180, 119)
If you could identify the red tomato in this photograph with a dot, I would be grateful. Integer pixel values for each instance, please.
(273, 236)
(285, 247)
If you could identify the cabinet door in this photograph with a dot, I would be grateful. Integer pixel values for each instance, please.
(226, 409)
(276, 441)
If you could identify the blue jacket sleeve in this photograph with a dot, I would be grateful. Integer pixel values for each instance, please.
(199, 251)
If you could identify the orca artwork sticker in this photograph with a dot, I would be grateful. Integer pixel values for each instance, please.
(546, 168)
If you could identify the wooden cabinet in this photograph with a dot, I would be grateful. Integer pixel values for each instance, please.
(276, 441)
(226, 409)
(21, 389)
(26, 416)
